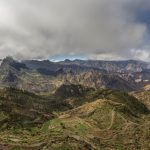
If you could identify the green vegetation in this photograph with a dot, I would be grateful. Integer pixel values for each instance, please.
(72, 90)
(17, 148)
(54, 125)
(63, 147)
(82, 128)
(3, 116)
(120, 97)
(100, 119)
(120, 147)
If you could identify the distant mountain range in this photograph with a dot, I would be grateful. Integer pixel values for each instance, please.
(44, 77)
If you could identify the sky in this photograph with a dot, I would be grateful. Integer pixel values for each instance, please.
(89, 29)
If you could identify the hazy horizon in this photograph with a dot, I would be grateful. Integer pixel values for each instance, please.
(59, 59)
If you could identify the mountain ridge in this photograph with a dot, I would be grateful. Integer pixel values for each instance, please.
(29, 74)
(56, 106)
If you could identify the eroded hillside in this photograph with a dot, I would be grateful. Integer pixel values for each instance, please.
(44, 77)
(101, 119)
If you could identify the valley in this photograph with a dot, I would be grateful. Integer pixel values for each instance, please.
(74, 105)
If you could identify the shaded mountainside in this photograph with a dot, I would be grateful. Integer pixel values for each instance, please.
(21, 108)
(72, 90)
(111, 66)
(9, 62)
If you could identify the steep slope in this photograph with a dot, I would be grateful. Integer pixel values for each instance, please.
(134, 73)
(144, 96)
(44, 77)
(147, 87)
(134, 104)
(10, 72)
(108, 123)
(72, 90)
(21, 108)
(45, 64)
(97, 80)
(54, 67)
(51, 76)
(10, 63)
(111, 66)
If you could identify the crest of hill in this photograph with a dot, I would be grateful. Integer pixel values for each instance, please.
(72, 90)
(121, 97)
(143, 96)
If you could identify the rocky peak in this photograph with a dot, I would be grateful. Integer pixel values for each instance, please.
(10, 62)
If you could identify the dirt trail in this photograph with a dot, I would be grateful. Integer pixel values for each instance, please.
(112, 119)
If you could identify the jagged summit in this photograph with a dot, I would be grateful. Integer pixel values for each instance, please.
(10, 62)
(46, 76)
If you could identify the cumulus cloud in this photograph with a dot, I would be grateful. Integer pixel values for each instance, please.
(100, 29)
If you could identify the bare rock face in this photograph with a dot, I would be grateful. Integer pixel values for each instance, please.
(10, 78)
(9, 62)
(46, 76)
(111, 66)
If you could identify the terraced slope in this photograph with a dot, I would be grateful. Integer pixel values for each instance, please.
(103, 119)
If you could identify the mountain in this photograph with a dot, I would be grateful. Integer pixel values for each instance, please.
(73, 105)
(99, 119)
(96, 79)
(71, 90)
(111, 66)
(22, 108)
(45, 64)
(44, 77)
(134, 73)
(10, 62)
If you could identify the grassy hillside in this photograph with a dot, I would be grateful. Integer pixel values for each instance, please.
(120, 97)
(72, 91)
(99, 120)
(21, 108)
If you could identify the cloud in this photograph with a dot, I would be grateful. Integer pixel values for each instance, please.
(94, 28)
(141, 54)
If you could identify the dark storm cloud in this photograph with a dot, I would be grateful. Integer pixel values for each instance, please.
(96, 28)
